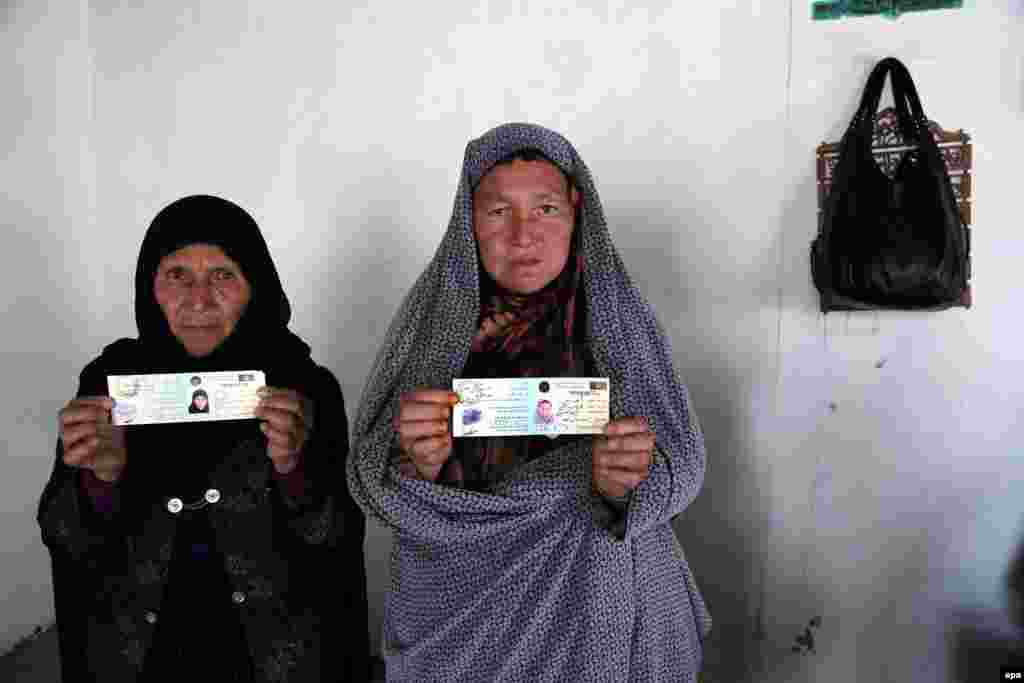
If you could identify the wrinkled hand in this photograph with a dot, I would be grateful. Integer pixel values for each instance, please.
(287, 423)
(423, 432)
(622, 456)
(90, 441)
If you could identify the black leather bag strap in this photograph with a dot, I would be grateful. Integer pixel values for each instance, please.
(904, 92)
(932, 156)
(855, 147)
(904, 83)
(870, 98)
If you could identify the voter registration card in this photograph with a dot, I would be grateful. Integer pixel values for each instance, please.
(530, 406)
(184, 397)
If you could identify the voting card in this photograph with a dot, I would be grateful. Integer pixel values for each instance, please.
(184, 397)
(530, 406)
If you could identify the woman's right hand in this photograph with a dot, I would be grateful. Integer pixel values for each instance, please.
(90, 441)
(423, 429)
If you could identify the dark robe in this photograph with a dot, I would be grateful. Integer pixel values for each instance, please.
(265, 584)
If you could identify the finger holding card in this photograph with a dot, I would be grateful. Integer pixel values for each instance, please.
(622, 456)
(421, 425)
(90, 441)
(287, 422)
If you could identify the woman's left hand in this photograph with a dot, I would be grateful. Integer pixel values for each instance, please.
(287, 423)
(622, 456)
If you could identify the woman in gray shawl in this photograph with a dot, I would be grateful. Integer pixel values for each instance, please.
(531, 559)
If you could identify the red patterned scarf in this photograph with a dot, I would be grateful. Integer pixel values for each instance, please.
(519, 335)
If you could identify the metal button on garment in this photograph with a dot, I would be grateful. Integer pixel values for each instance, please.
(238, 597)
(212, 496)
(174, 505)
(150, 617)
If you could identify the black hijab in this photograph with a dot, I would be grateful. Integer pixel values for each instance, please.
(261, 335)
(261, 340)
(179, 459)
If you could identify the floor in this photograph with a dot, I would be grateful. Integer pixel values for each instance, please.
(36, 661)
(33, 660)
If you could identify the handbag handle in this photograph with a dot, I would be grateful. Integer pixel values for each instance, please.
(903, 83)
(903, 91)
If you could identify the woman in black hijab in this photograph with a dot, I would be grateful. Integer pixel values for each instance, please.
(227, 551)
(200, 402)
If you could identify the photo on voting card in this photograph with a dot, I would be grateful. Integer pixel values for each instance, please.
(530, 406)
(184, 397)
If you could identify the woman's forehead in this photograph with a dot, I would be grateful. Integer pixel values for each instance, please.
(199, 254)
(518, 176)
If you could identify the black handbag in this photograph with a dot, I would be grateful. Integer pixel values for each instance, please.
(890, 243)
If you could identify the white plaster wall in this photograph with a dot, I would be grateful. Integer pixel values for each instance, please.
(897, 437)
(341, 127)
(52, 306)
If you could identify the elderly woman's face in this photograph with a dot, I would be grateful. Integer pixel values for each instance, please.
(523, 216)
(203, 295)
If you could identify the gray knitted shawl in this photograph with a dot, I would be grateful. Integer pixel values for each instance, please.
(522, 583)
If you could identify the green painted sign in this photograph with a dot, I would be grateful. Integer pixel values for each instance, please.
(836, 9)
